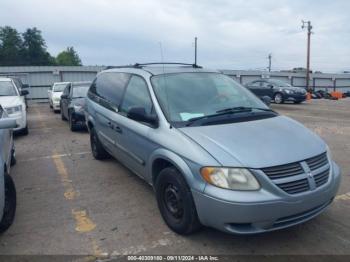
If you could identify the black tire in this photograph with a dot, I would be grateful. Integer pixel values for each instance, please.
(72, 126)
(175, 202)
(25, 131)
(10, 204)
(97, 149)
(62, 116)
(13, 157)
(278, 98)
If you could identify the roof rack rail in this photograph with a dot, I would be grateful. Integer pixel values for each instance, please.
(166, 63)
(123, 66)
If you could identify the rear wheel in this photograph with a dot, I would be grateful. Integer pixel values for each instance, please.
(10, 204)
(278, 98)
(97, 149)
(175, 202)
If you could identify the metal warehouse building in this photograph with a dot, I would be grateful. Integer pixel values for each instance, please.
(40, 78)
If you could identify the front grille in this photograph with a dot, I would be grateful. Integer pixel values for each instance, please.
(317, 161)
(322, 178)
(283, 171)
(293, 178)
(295, 187)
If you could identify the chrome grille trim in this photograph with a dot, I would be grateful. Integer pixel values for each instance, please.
(317, 161)
(282, 171)
(300, 177)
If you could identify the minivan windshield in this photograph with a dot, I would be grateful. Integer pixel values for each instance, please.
(80, 90)
(7, 89)
(59, 87)
(188, 96)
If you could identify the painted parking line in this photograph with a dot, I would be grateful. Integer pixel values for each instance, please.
(343, 197)
(83, 223)
(55, 156)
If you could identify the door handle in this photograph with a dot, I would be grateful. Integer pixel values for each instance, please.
(118, 129)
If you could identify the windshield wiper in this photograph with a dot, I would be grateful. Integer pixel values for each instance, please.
(243, 109)
(232, 110)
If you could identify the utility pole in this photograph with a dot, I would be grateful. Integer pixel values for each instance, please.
(269, 57)
(308, 26)
(195, 50)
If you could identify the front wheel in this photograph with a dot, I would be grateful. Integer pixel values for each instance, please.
(175, 202)
(97, 149)
(278, 98)
(62, 115)
(72, 125)
(10, 204)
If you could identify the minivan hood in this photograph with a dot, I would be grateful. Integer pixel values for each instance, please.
(257, 144)
(10, 101)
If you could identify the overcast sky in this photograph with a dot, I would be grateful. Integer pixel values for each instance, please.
(232, 34)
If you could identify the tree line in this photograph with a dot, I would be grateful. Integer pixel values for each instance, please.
(29, 49)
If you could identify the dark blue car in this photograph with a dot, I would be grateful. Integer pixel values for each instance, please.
(278, 90)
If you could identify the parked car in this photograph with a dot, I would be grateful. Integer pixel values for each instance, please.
(215, 154)
(20, 86)
(279, 91)
(7, 159)
(54, 94)
(73, 103)
(12, 100)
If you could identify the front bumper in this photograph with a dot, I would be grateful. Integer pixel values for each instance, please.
(294, 97)
(244, 212)
(56, 105)
(79, 118)
(21, 120)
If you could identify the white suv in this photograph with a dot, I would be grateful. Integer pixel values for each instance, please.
(55, 93)
(13, 101)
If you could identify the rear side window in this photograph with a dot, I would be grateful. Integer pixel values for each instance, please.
(110, 87)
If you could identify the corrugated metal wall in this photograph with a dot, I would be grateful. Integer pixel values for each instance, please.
(40, 78)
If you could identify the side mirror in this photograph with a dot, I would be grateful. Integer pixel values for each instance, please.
(266, 100)
(7, 123)
(139, 114)
(24, 92)
(64, 96)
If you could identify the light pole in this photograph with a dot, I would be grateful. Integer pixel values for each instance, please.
(308, 26)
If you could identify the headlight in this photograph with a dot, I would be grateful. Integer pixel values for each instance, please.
(230, 178)
(78, 108)
(14, 109)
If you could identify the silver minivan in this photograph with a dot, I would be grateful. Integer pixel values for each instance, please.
(214, 153)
